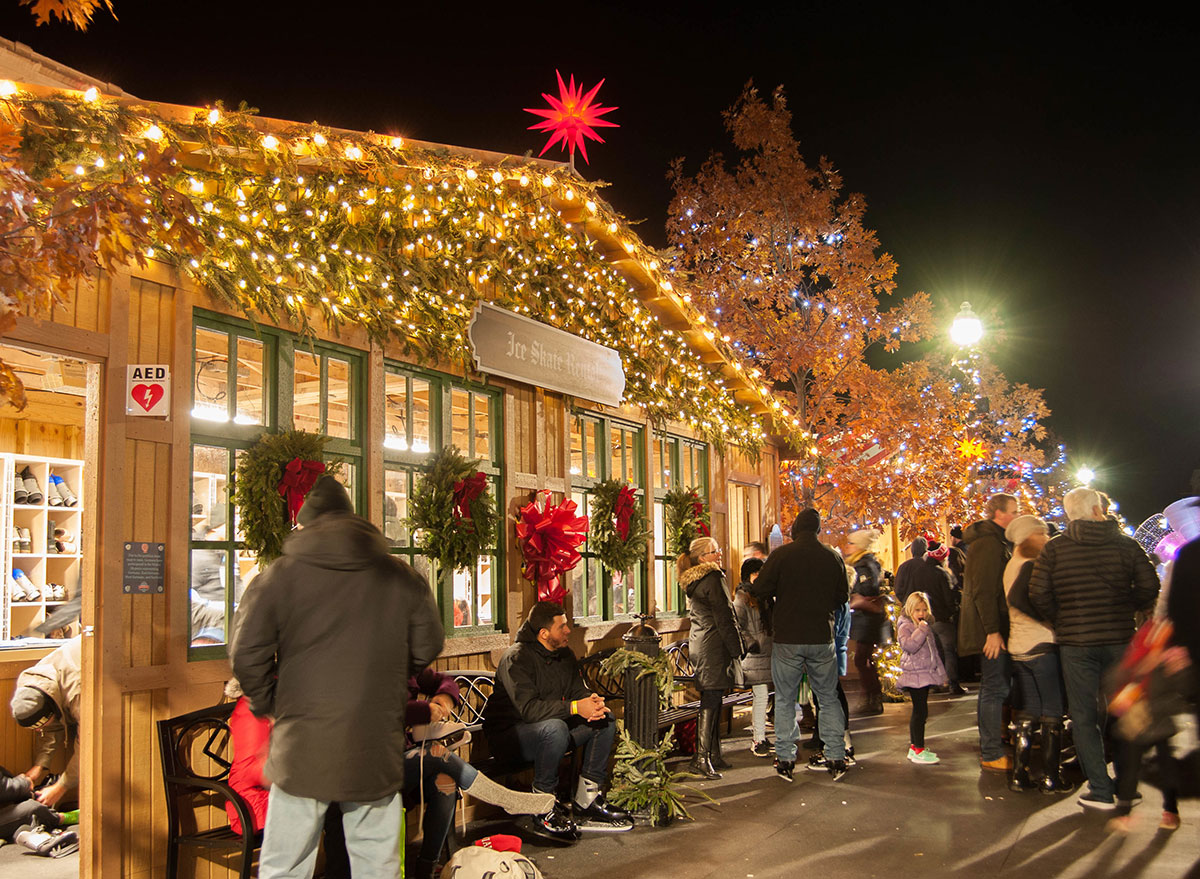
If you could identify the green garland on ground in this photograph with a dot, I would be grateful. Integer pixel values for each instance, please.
(614, 553)
(262, 511)
(683, 525)
(622, 660)
(453, 542)
(642, 783)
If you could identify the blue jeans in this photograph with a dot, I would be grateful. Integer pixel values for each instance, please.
(1083, 672)
(789, 662)
(420, 779)
(545, 743)
(1039, 681)
(995, 683)
(293, 828)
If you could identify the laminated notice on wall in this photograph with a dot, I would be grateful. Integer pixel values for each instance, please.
(142, 571)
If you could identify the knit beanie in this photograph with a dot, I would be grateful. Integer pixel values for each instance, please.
(327, 496)
(864, 539)
(1022, 527)
(30, 706)
(937, 551)
(806, 520)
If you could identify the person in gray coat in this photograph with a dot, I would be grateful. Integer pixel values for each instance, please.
(753, 620)
(326, 640)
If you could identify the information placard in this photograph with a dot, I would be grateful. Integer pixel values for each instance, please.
(142, 571)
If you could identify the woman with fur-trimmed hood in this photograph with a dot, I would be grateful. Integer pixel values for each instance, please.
(713, 645)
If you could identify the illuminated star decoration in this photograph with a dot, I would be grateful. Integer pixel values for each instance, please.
(971, 449)
(572, 117)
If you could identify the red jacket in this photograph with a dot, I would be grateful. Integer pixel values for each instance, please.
(250, 737)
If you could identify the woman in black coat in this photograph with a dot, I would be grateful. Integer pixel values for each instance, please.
(866, 623)
(713, 645)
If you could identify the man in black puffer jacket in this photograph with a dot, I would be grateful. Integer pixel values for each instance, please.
(1089, 583)
(541, 708)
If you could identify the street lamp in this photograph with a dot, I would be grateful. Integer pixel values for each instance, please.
(1085, 475)
(967, 328)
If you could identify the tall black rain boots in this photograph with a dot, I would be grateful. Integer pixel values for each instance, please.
(706, 727)
(1022, 734)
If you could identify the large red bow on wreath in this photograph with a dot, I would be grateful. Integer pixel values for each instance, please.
(698, 514)
(548, 537)
(299, 476)
(622, 510)
(466, 491)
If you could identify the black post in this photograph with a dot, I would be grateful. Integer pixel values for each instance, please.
(641, 694)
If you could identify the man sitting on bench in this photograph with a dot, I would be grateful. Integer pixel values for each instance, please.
(540, 709)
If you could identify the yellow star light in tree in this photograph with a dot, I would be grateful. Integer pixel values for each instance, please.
(969, 449)
(572, 117)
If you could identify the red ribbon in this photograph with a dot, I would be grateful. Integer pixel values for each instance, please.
(622, 510)
(466, 491)
(698, 514)
(548, 537)
(299, 476)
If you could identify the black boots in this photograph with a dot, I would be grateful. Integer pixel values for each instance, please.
(706, 735)
(1053, 781)
(1022, 734)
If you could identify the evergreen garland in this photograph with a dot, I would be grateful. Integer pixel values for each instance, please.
(603, 538)
(454, 542)
(642, 783)
(683, 525)
(262, 511)
(622, 660)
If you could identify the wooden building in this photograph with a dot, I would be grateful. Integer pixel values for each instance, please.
(386, 404)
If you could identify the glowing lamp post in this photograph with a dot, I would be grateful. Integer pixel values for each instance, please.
(1085, 475)
(967, 328)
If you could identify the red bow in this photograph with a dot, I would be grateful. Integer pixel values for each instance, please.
(698, 514)
(622, 510)
(465, 491)
(299, 476)
(548, 538)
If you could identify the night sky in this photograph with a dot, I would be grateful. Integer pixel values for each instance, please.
(1042, 164)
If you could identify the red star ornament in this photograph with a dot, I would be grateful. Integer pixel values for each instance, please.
(572, 118)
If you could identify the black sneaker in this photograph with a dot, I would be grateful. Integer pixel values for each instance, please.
(850, 761)
(958, 690)
(762, 749)
(602, 816)
(784, 768)
(1095, 801)
(837, 768)
(817, 762)
(555, 826)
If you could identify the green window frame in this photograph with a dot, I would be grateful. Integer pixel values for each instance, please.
(243, 384)
(605, 448)
(424, 412)
(677, 461)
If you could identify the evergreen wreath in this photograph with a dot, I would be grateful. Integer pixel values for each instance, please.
(610, 499)
(686, 518)
(262, 511)
(452, 511)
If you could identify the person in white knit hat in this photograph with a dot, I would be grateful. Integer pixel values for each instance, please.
(867, 617)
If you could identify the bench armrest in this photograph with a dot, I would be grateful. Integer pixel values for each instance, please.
(189, 782)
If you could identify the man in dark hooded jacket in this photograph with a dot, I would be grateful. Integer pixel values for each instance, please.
(540, 709)
(326, 639)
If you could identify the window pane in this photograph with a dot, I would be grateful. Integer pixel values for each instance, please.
(483, 434)
(207, 599)
(622, 588)
(463, 611)
(337, 399)
(485, 580)
(424, 567)
(576, 446)
(657, 464)
(211, 382)
(594, 570)
(210, 498)
(306, 401)
(250, 383)
(421, 429)
(395, 411)
(616, 468)
(395, 507)
(347, 477)
(460, 420)
(593, 444)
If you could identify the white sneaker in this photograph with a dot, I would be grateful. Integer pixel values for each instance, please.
(15, 592)
(32, 593)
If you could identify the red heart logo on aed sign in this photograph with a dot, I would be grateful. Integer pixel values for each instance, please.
(147, 395)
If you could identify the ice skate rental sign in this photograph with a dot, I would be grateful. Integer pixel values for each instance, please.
(148, 389)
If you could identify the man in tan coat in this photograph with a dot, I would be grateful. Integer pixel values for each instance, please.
(47, 699)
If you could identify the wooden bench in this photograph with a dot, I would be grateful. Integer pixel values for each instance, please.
(195, 774)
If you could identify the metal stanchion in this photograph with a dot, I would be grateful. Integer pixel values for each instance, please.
(641, 694)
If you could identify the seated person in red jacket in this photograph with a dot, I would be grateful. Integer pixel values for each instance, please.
(250, 738)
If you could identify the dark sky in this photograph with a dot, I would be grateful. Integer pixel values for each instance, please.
(1041, 162)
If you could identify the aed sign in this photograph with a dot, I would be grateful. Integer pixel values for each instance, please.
(148, 389)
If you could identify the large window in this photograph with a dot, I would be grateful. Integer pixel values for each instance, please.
(677, 462)
(424, 413)
(245, 380)
(601, 449)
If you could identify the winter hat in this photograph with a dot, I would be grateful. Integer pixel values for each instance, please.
(806, 520)
(327, 496)
(1022, 527)
(1184, 517)
(937, 551)
(30, 706)
(918, 546)
(956, 532)
(864, 538)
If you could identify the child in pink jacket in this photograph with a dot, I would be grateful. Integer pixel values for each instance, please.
(920, 668)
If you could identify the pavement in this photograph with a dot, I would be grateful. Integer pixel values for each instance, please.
(888, 818)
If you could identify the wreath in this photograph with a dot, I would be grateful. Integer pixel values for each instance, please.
(273, 476)
(452, 511)
(686, 518)
(618, 534)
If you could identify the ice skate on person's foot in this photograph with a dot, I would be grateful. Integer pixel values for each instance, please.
(555, 826)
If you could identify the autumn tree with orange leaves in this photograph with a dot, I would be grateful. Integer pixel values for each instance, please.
(780, 258)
